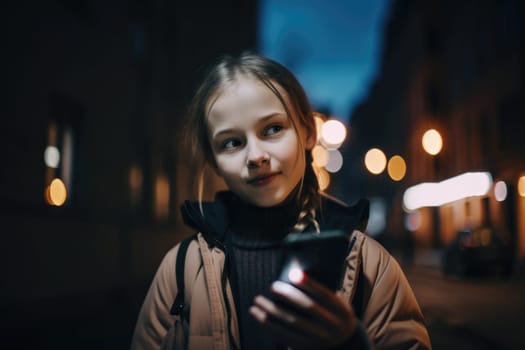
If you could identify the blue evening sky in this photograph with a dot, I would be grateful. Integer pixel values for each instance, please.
(332, 46)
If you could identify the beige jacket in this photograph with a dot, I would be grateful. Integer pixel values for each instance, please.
(391, 316)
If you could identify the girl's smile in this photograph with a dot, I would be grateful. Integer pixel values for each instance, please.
(262, 180)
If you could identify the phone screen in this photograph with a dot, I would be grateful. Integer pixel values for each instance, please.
(319, 255)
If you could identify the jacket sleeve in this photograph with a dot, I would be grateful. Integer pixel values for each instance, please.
(154, 318)
(392, 317)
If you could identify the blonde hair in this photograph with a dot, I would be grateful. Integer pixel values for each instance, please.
(226, 70)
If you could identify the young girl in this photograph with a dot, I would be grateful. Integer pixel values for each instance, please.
(252, 121)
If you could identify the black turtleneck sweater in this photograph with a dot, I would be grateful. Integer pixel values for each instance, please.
(255, 235)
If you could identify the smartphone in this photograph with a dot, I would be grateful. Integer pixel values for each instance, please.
(318, 255)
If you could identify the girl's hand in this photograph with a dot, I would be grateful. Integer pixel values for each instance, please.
(317, 320)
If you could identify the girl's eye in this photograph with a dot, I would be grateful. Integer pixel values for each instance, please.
(231, 143)
(272, 130)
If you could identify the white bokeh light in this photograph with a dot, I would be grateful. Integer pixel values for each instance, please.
(52, 156)
(435, 194)
(333, 133)
(413, 220)
(375, 161)
(500, 191)
(432, 142)
(335, 161)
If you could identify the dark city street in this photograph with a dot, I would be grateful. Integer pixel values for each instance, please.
(468, 313)
(410, 112)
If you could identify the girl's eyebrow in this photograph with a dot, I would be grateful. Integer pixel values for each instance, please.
(270, 116)
(259, 121)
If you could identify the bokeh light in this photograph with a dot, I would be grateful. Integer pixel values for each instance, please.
(135, 183)
(375, 161)
(435, 194)
(413, 220)
(396, 168)
(335, 161)
(500, 191)
(432, 142)
(318, 124)
(52, 157)
(521, 186)
(333, 133)
(320, 156)
(322, 177)
(135, 178)
(162, 196)
(56, 193)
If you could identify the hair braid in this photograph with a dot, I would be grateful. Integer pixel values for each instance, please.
(308, 199)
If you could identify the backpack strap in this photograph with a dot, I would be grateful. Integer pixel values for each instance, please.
(178, 304)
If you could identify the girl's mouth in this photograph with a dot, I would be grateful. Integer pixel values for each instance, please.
(263, 179)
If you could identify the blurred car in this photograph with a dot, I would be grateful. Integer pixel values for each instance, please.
(478, 252)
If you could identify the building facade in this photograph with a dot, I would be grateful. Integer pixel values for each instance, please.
(456, 68)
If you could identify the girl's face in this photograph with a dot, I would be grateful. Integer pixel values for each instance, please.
(256, 149)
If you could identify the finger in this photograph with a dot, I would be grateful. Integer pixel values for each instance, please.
(272, 310)
(312, 304)
(291, 294)
(297, 327)
(298, 334)
(323, 317)
(324, 296)
(297, 321)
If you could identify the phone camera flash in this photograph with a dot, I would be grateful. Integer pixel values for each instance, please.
(296, 275)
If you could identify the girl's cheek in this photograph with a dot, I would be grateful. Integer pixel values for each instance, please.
(227, 165)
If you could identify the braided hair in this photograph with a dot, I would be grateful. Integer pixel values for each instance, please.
(308, 200)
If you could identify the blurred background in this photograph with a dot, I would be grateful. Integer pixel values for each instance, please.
(424, 105)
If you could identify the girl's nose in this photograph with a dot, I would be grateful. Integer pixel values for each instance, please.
(256, 156)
